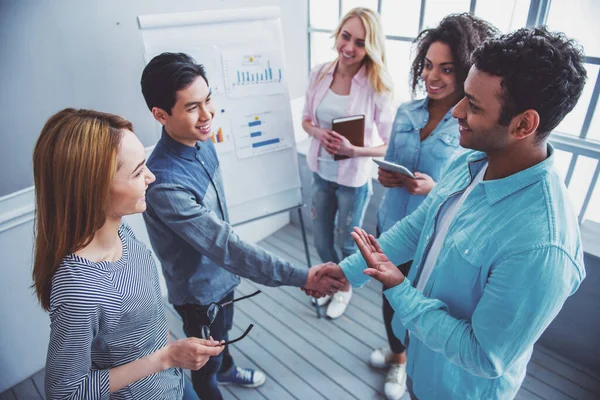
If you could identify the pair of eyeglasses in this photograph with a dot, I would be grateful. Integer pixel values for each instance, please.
(213, 310)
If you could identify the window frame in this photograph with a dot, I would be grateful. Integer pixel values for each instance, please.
(576, 145)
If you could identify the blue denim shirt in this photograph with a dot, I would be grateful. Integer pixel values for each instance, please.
(429, 156)
(512, 256)
(187, 222)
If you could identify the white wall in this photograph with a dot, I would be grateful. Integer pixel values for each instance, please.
(64, 53)
(88, 54)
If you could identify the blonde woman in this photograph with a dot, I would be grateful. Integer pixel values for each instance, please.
(355, 83)
(108, 329)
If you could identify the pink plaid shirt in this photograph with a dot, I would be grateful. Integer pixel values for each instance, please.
(376, 107)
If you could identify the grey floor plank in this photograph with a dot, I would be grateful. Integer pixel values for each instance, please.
(294, 234)
(38, 381)
(350, 322)
(228, 395)
(357, 345)
(559, 382)
(373, 323)
(277, 346)
(7, 395)
(567, 369)
(525, 394)
(260, 351)
(301, 310)
(26, 390)
(543, 390)
(324, 353)
(270, 390)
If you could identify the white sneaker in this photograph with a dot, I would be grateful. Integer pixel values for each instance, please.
(380, 358)
(395, 382)
(338, 304)
(322, 301)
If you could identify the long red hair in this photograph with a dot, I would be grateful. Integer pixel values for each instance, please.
(74, 162)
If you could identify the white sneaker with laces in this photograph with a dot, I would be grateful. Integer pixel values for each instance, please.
(380, 358)
(395, 382)
(339, 303)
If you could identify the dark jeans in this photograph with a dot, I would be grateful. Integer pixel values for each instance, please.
(194, 316)
(388, 313)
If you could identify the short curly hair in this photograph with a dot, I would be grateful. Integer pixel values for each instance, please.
(540, 70)
(462, 33)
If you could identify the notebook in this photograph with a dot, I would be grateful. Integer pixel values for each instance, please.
(353, 128)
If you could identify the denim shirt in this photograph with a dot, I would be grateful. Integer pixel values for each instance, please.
(511, 258)
(406, 148)
(187, 223)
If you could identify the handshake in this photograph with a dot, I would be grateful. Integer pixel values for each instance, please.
(325, 280)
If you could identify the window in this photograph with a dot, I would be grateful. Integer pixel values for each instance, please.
(348, 5)
(506, 15)
(401, 18)
(324, 14)
(436, 10)
(577, 138)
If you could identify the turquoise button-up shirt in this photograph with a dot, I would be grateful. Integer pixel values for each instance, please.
(511, 258)
(429, 156)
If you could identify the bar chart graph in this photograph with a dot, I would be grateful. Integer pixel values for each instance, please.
(260, 133)
(221, 128)
(253, 74)
(247, 77)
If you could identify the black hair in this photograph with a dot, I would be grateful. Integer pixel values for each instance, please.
(540, 70)
(166, 74)
(462, 33)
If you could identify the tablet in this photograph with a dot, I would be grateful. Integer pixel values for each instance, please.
(388, 166)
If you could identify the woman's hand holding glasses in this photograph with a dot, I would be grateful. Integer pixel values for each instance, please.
(189, 353)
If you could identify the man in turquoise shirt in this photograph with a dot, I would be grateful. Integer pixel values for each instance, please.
(496, 244)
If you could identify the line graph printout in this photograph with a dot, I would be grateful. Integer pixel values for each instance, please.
(253, 73)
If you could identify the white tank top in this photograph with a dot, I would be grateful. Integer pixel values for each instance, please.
(332, 106)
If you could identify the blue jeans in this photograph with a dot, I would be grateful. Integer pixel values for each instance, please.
(336, 210)
(194, 316)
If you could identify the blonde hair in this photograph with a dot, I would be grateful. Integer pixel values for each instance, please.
(74, 162)
(375, 61)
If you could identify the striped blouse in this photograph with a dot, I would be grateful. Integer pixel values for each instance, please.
(103, 315)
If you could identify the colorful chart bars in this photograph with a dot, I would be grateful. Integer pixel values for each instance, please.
(218, 138)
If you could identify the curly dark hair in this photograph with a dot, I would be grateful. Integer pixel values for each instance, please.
(462, 33)
(540, 70)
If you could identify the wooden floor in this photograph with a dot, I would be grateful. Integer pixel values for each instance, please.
(309, 358)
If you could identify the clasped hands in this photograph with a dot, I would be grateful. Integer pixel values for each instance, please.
(333, 142)
(328, 278)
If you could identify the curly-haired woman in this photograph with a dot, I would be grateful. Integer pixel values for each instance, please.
(424, 137)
